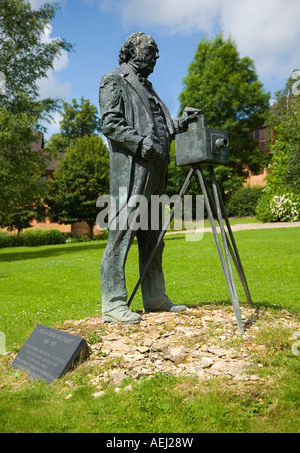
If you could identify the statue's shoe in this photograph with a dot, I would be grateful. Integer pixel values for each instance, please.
(121, 315)
(164, 305)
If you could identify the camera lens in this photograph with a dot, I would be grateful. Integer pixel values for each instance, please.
(221, 143)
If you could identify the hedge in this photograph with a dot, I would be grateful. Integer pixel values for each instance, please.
(243, 202)
(31, 238)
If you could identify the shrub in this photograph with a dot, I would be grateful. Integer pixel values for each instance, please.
(282, 208)
(42, 237)
(103, 235)
(286, 207)
(97, 237)
(243, 201)
(9, 240)
(263, 211)
(72, 238)
(32, 238)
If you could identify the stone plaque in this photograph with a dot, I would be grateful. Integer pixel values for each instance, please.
(49, 353)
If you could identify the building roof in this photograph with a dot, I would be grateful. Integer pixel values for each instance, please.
(38, 144)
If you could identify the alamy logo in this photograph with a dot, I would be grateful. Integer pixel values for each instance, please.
(136, 212)
(2, 84)
(295, 89)
(2, 343)
(296, 345)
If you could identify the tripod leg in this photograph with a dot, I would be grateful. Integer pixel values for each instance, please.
(227, 273)
(233, 252)
(237, 263)
(163, 232)
(224, 238)
(235, 255)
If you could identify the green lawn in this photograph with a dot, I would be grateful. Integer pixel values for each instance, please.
(51, 284)
(235, 221)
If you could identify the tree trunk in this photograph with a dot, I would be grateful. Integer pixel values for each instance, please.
(91, 230)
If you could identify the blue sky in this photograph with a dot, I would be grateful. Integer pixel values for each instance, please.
(268, 31)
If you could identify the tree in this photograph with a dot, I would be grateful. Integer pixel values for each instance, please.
(84, 165)
(21, 169)
(82, 178)
(284, 117)
(281, 199)
(226, 89)
(25, 57)
(78, 120)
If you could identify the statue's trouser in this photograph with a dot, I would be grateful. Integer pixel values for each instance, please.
(113, 283)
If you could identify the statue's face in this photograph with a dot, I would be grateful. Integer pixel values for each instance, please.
(146, 54)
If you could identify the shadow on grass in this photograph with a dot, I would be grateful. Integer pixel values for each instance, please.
(17, 254)
(259, 309)
(214, 305)
(174, 237)
(276, 307)
(256, 305)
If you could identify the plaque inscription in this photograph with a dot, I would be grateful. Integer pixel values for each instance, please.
(49, 353)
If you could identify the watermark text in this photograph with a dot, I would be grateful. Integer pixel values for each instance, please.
(160, 212)
(296, 85)
(2, 84)
(2, 343)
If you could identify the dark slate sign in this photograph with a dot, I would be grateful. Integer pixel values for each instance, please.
(49, 353)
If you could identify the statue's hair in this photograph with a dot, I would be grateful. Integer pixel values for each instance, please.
(125, 53)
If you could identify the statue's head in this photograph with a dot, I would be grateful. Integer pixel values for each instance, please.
(140, 51)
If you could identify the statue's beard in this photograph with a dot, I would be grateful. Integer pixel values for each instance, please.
(141, 67)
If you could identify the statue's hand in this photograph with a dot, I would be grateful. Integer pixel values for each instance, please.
(189, 116)
(151, 148)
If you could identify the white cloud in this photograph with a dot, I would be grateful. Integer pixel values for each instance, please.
(36, 4)
(54, 127)
(177, 17)
(60, 61)
(266, 31)
(49, 86)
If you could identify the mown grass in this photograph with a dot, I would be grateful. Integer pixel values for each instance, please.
(235, 221)
(162, 404)
(51, 284)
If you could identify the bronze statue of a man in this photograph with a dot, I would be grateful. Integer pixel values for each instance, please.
(139, 130)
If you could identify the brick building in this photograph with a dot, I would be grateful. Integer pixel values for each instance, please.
(79, 228)
(264, 136)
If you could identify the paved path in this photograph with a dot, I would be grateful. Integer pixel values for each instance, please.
(245, 226)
